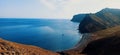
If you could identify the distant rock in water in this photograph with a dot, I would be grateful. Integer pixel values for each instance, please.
(103, 19)
(78, 18)
(11, 48)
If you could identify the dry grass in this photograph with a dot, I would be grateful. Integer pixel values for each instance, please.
(11, 48)
(107, 32)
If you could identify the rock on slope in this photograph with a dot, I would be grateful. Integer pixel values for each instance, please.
(11, 48)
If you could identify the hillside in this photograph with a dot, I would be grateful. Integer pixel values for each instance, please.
(101, 34)
(103, 19)
(11, 48)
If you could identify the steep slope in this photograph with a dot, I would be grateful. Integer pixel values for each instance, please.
(11, 48)
(99, 30)
(103, 19)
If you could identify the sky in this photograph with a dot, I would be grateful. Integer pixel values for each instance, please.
(59, 9)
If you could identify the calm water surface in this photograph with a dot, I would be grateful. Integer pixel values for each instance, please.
(50, 34)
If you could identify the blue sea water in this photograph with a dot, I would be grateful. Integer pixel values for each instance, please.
(50, 34)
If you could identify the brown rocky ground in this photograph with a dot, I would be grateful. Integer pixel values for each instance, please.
(11, 48)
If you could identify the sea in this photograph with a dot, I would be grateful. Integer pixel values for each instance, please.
(50, 34)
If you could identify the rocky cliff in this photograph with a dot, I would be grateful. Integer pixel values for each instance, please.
(103, 19)
(11, 48)
(101, 34)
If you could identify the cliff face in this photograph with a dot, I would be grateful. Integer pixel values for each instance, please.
(94, 43)
(78, 18)
(101, 34)
(103, 19)
(10, 48)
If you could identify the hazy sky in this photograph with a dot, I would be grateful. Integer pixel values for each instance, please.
(52, 8)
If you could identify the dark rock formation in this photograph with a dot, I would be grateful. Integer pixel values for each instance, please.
(78, 18)
(103, 19)
(104, 46)
(11, 48)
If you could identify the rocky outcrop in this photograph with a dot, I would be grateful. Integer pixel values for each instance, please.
(11, 48)
(78, 17)
(106, 18)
